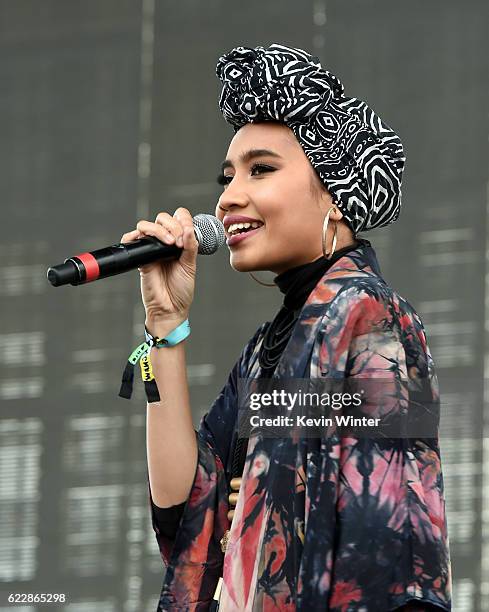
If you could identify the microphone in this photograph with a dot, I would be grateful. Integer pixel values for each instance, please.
(118, 258)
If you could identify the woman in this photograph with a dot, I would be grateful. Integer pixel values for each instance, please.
(336, 523)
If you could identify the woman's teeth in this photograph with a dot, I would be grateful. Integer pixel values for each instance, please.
(235, 228)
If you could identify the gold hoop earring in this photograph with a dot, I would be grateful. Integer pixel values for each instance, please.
(325, 231)
(261, 283)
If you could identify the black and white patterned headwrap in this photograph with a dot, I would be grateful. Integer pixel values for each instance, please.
(357, 156)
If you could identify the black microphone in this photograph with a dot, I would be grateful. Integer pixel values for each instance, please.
(118, 258)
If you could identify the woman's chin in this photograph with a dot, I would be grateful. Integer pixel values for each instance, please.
(241, 266)
(244, 264)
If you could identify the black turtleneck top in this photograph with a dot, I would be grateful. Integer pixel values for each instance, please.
(296, 284)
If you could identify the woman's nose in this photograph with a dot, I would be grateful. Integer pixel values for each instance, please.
(232, 196)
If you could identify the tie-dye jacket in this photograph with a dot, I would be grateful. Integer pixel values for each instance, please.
(334, 523)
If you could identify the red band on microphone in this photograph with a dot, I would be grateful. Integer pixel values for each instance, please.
(91, 266)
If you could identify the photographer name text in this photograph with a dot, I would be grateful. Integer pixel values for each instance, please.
(340, 420)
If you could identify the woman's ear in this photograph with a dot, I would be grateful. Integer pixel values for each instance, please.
(326, 199)
(327, 203)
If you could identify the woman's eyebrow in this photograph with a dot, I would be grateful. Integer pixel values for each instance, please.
(249, 155)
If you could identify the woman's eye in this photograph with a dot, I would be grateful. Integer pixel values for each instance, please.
(222, 179)
(261, 168)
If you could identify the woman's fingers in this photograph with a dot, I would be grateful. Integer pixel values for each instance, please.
(157, 230)
(134, 235)
(178, 229)
(189, 241)
(166, 228)
(172, 224)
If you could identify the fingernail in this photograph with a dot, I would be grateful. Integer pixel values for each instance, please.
(170, 237)
(180, 241)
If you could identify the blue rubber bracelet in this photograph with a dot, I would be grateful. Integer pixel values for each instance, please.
(174, 337)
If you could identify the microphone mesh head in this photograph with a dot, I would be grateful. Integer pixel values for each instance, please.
(209, 232)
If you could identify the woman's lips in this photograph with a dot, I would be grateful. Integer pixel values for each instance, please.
(232, 240)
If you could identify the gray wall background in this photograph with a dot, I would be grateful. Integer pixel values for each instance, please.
(108, 114)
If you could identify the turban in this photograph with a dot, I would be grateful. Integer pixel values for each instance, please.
(356, 155)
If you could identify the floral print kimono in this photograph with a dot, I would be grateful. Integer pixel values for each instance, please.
(337, 524)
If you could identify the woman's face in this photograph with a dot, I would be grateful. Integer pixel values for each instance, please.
(268, 178)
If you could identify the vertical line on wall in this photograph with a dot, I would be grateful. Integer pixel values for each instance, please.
(145, 106)
(319, 20)
(484, 587)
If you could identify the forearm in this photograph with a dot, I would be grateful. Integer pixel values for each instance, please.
(170, 436)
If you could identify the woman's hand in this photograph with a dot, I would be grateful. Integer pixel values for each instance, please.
(167, 287)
